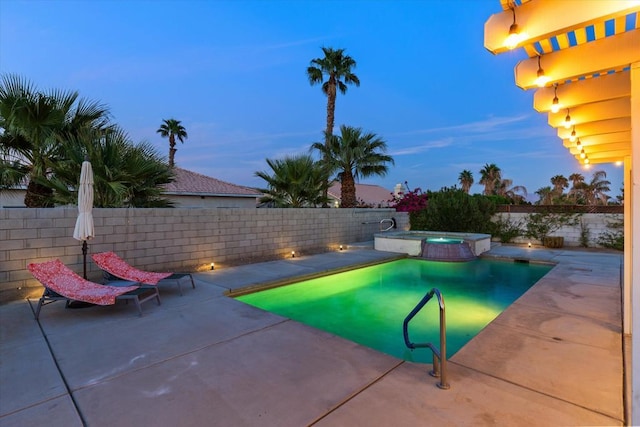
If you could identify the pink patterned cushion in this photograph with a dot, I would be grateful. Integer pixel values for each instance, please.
(113, 264)
(60, 279)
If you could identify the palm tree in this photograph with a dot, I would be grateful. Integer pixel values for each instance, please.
(125, 174)
(172, 128)
(559, 183)
(33, 123)
(545, 194)
(351, 155)
(595, 190)
(491, 175)
(577, 184)
(506, 189)
(466, 180)
(296, 182)
(337, 68)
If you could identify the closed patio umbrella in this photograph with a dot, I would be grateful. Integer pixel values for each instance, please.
(84, 223)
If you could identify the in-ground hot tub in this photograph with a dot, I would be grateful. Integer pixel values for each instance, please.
(413, 243)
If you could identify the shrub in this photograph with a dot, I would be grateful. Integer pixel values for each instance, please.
(540, 225)
(412, 201)
(613, 238)
(451, 209)
(506, 229)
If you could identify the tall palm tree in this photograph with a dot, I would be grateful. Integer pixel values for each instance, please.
(466, 180)
(559, 182)
(545, 194)
(595, 191)
(172, 128)
(351, 155)
(491, 175)
(337, 68)
(296, 182)
(577, 181)
(33, 122)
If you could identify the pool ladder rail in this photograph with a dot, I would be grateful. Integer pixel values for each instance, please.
(439, 356)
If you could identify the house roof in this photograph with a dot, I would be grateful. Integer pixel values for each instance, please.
(372, 195)
(188, 183)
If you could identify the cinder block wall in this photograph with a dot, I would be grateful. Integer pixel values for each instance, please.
(596, 224)
(175, 239)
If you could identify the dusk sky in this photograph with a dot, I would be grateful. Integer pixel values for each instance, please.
(234, 73)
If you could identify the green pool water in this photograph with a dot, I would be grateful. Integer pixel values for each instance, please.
(368, 305)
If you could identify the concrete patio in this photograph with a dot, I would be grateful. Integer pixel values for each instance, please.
(555, 357)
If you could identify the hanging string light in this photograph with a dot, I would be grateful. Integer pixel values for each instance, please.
(542, 78)
(555, 104)
(572, 137)
(514, 37)
(567, 121)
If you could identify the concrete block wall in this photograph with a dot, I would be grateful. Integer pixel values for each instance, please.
(180, 239)
(597, 224)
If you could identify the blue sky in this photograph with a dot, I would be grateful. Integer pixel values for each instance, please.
(234, 73)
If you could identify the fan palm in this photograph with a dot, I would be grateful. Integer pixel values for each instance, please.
(33, 123)
(296, 182)
(466, 180)
(559, 183)
(337, 68)
(125, 174)
(491, 175)
(351, 155)
(545, 194)
(517, 194)
(172, 128)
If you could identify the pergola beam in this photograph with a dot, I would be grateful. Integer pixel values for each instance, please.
(611, 53)
(619, 107)
(603, 88)
(540, 20)
(597, 128)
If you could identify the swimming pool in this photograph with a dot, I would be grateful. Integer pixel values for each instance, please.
(368, 305)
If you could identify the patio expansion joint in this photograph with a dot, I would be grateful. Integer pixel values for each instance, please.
(350, 397)
(524, 387)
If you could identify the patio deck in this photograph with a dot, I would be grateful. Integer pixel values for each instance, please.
(554, 357)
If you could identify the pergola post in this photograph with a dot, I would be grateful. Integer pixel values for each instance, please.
(635, 244)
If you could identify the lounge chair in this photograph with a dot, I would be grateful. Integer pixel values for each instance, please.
(62, 284)
(115, 268)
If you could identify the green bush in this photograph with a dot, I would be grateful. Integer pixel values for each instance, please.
(614, 237)
(506, 229)
(451, 209)
(540, 225)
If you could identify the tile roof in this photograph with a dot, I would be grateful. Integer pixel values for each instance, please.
(373, 195)
(192, 183)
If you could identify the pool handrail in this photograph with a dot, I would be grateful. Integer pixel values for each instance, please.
(439, 356)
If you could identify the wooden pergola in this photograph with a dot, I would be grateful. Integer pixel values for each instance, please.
(584, 65)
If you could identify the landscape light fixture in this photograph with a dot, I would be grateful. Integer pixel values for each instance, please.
(567, 120)
(555, 104)
(514, 37)
(572, 137)
(340, 247)
(213, 267)
(293, 254)
(542, 79)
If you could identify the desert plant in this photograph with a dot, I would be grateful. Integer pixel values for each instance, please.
(540, 225)
(613, 238)
(507, 229)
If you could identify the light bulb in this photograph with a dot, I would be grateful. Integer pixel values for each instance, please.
(555, 105)
(572, 137)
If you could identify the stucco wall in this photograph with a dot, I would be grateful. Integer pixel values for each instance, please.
(597, 224)
(212, 202)
(175, 239)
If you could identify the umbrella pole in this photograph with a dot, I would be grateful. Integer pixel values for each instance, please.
(84, 256)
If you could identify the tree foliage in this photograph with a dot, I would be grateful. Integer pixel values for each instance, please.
(294, 182)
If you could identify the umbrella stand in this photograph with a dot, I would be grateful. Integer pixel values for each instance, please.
(84, 257)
